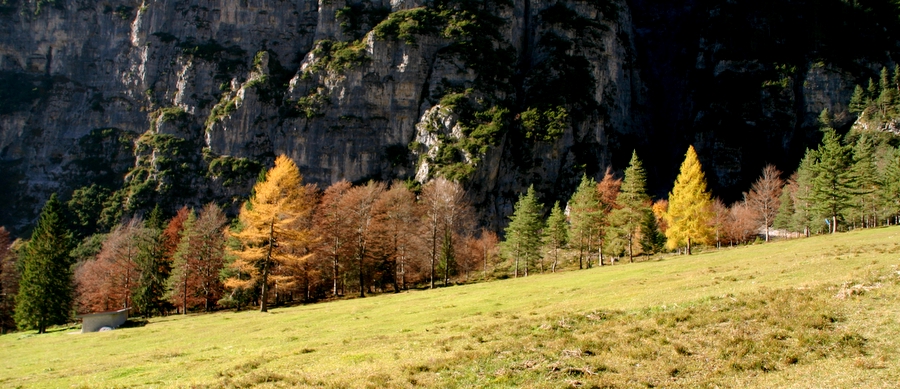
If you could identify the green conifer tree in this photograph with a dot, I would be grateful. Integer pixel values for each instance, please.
(832, 186)
(45, 288)
(585, 217)
(652, 239)
(634, 205)
(857, 101)
(805, 217)
(555, 234)
(872, 94)
(783, 219)
(523, 234)
(888, 95)
(690, 206)
(149, 295)
(864, 193)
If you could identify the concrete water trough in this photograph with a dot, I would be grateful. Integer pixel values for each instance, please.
(94, 322)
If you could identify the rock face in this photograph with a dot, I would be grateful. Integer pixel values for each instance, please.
(183, 102)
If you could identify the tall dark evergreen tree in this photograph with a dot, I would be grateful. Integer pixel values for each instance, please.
(555, 234)
(634, 205)
(45, 288)
(833, 184)
(523, 235)
(149, 295)
(805, 217)
(864, 194)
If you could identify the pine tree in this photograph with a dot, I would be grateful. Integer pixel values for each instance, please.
(633, 205)
(523, 238)
(45, 288)
(689, 206)
(585, 217)
(273, 228)
(832, 185)
(555, 234)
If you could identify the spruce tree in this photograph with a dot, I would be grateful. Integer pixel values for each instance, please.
(890, 187)
(149, 295)
(523, 238)
(786, 208)
(805, 215)
(864, 192)
(652, 239)
(634, 204)
(585, 217)
(556, 233)
(871, 94)
(831, 191)
(888, 93)
(45, 288)
(857, 101)
(690, 206)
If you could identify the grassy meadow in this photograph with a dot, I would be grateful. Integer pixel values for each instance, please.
(806, 313)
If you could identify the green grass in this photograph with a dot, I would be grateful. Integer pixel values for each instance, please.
(818, 312)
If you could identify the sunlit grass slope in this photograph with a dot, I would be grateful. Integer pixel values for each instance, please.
(817, 312)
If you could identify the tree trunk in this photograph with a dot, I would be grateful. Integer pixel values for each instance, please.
(263, 306)
(689, 246)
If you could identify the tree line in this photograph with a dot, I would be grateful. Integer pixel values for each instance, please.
(293, 242)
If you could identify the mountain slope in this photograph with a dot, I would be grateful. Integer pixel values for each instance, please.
(184, 101)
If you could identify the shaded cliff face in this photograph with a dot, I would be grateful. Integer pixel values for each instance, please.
(183, 102)
(745, 81)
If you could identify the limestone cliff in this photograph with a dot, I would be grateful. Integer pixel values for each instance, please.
(182, 102)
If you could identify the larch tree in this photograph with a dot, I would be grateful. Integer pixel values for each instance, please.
(358, 205)
(444, 209)
(523, 234)
(689, 206)
(741, 226)
(607, 191)
(333, 224)
(585, 216)
(719, 220)
(110, 281)
(395, 226)
(273, 229)
(633, 203)
(199, 259)
(556, 234)
(45, 288)
(833, 184)
(765, 197)
(487, 247)
(9, 282)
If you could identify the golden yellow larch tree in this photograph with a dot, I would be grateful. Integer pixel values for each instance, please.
(275, 231)
(690, 206)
